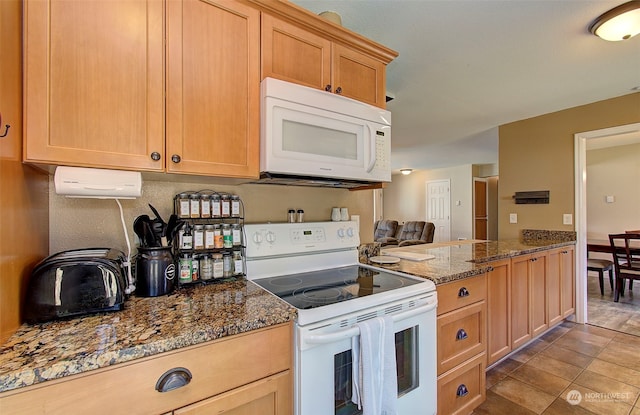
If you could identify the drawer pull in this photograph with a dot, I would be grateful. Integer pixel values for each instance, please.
(463, 292)
(173, 379)
(461, 335)
(462, 391)
(328, 88)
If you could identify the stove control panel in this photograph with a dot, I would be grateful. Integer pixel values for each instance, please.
(272, 239)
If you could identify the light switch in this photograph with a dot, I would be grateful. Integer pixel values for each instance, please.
(513, 218)
(610, 199)
(567, 219)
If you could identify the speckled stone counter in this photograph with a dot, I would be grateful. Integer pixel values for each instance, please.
(147, 326)
(463, 259)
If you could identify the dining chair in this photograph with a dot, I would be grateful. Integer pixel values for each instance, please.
(601, 266)
(626, 257)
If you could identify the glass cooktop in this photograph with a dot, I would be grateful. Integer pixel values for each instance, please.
(319, 288)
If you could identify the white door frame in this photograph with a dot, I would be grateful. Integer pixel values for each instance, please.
(580, 162)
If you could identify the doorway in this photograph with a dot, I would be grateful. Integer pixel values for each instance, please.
(580, 156)
(439, 208)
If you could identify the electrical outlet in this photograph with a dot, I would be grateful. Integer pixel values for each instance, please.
(567, 219)
(513, 218)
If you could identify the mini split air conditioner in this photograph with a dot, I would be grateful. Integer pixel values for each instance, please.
(97, 183)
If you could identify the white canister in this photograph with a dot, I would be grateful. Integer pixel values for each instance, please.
(335, 214)
(344, 213)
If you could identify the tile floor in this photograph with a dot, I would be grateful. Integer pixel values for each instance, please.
(603, 365)
(622, 316)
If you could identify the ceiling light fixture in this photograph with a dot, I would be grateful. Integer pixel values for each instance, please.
(406, 171)
(619, 23)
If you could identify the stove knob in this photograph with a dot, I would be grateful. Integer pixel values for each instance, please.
(270, 237)
(257, 238)
(350, 232)
(341, 233)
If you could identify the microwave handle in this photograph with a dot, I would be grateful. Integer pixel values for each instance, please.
(372, 149)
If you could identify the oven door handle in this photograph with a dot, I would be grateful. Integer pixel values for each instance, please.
(354, 330)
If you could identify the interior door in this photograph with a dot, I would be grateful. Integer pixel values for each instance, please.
(480, 210)
(439, 208)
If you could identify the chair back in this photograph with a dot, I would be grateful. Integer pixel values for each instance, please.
(626, 254)
(412, 230)
(384, 229)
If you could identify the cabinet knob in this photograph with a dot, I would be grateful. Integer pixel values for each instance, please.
(173, 379)
(328, 88)
(176, 158)
(461, 335)
(155, 156)
(339, 90)
(462, 391)
(463, 292)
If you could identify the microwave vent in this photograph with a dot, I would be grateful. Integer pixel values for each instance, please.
(532, 198)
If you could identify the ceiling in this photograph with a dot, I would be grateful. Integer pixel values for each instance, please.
(469, 66)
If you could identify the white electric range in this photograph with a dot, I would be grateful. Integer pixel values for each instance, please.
(314, 267)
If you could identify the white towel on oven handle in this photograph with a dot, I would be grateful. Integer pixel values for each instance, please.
(375, 383)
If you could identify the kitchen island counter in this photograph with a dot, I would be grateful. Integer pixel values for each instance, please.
(146, 327)
(462, 259)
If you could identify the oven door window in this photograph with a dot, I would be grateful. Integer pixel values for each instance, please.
(406, 366)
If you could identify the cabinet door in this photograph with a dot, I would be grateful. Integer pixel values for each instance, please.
(270, 396)
(554, 286)
(568, 281)
(498, 311)
(538, 293)
(292, 54)
(520, 317)
(94, 83)
(213, 88)
(358, 76)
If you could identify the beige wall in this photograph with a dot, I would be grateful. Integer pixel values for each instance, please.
(405, 197)
(538, 154)
(78, 223)
(605, 167)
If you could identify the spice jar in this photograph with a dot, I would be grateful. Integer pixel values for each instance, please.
(227, 237)
(184, 210)
(291, 216)
(227, 265)
(206, 268)
(218, 242)
(208, 237)
(194, 204)
(225, 206)
(205, 206)
(198, 237)
(218, 266)
(215, 206)
(238, 267)
(187, 238)
(195, 269)
(236, 234)
(185, 269)
(235, 206)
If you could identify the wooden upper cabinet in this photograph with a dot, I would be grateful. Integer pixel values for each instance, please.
(213, 88)
(294, 54)
(358, 76)
(94, 83)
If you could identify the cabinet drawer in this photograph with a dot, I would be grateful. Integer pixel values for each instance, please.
(463, 388)
(461, 293)
(461, 335)
(129, 388)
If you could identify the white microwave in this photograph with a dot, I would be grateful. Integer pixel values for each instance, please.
(311, 134)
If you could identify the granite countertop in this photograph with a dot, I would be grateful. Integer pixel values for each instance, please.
(147, 326)
(462, 259)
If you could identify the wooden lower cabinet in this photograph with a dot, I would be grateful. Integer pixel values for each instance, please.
(462, 389)
(246, 373)
(526, 296)
(498, 310)
(270, 396)
(462, 342)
